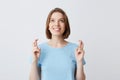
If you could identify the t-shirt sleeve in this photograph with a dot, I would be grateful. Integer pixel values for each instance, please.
(39, 62)
(83, 61)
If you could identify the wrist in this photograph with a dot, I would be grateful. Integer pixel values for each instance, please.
(34, 60)
(79, 63)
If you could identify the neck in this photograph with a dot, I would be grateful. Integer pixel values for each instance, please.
(57, 42)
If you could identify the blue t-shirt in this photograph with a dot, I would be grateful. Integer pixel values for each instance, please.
(57, 63)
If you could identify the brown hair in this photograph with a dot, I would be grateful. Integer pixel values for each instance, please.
(67, 26)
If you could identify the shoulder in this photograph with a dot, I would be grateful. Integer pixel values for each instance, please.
(73, 45)
(42, 45)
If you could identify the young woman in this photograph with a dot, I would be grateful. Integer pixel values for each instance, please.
(57, 59)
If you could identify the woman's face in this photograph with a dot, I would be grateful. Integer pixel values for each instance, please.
(57, 24)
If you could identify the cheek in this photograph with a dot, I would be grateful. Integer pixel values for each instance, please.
(63, 27)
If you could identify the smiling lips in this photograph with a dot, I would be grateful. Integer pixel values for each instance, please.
(56, 29)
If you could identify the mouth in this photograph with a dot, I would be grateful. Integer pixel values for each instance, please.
(56, 29)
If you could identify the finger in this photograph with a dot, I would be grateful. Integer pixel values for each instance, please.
(78, 50)
(81, 45)
(36, 50)
(35, 43)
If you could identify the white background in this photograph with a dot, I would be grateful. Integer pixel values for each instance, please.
(96, 22)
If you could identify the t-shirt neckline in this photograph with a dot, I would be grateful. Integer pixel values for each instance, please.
(58, 47)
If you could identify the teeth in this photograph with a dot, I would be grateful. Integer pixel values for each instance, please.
(56, 29)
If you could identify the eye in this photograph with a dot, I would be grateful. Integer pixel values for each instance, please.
(52, 20)
(62, 20)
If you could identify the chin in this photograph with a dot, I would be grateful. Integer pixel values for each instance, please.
(57, 34)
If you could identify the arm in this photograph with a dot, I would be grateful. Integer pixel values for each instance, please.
(80, 75)
(79, 53)
(34, 72)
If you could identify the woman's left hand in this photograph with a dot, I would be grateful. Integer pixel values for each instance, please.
(79, 52)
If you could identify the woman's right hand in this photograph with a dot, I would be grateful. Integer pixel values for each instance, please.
(36, 50)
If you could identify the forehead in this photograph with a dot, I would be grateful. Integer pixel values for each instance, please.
(57, 15)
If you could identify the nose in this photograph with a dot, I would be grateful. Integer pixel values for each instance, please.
(56, 22)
